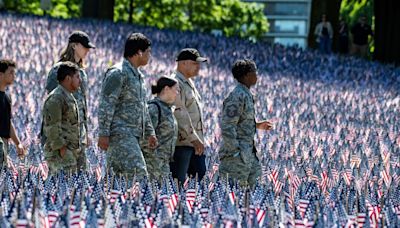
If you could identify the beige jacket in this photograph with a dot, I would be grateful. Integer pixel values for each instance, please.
(188, 112)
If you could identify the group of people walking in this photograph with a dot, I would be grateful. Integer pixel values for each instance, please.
(141, 138)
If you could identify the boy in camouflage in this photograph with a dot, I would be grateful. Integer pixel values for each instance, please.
(238, 127)
(123, 114)
(61, 121)
(162, 116)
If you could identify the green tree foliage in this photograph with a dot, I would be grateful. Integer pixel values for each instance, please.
(60, 8)
(231, 17)
(351, 10)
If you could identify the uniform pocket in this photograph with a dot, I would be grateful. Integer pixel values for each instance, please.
(246, 152)
(52, 156)
(69, 158)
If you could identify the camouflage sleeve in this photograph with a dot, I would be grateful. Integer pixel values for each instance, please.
(52, 82)
(110, 91)
(185, 126)
(153, 114)
(52, 117)
(149, 129)
(84, 89)
(231, 111)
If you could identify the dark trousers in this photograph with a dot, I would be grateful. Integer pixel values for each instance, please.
(325, 45)
(186, 162)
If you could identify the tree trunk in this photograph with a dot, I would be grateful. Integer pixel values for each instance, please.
(99, 9)
(331, 8)
(387, 31)
(130, 11)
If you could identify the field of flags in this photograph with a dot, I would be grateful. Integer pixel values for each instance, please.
(332, 160)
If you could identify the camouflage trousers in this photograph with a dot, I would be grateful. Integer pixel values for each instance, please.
(157, 163)
(81, 158)
(125, 156)
(67, 163)
(245, 168)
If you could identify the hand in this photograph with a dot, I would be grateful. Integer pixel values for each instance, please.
(104, 142)
(153, 142)
(198, 147)
(63, 151)
(264, 125)
(21, 152)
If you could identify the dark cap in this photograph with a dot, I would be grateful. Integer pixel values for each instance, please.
(82, 38)
(190, 54)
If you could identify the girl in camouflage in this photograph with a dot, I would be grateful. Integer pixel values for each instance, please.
(165, 126)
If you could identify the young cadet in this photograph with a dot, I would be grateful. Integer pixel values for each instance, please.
(238, 127)
(161, 112)
(61, 121)
(123, 115)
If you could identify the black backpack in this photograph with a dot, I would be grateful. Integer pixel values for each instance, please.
(159, 111)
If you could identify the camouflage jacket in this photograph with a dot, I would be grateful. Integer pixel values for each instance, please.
(165, 126)
(238, 125)
(123, 107)
(80, 95)
(61, 120)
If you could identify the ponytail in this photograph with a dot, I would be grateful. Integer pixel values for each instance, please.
(161, 83)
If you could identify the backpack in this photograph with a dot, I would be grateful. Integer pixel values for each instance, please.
(159, 111)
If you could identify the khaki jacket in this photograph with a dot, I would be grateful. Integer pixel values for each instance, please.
(188, 112)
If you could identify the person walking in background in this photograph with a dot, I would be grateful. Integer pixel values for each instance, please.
(76, 51)
(324, 34)
(161, 112)
(7, 129)
(123, 114)
(360, 32)
(238, 127)
(61, 121)
(189, 155)
(343, 37)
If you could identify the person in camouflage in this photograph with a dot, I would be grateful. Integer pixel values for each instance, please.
(76, 52)
(238, 127)
(7, 129)
(123, 114)
(61, 121)
(165, 126)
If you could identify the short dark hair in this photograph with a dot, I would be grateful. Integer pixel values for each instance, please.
(5, 64)
(161, 83)
(65, 69)
(242, 67)
(134, 43)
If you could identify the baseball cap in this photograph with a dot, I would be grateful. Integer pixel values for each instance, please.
(82, 38)
(190, 54)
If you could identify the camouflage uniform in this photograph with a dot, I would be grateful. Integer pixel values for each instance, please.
(238, 154)
(124, 118)
(166, 129)
(81, 98)
(61, 128)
